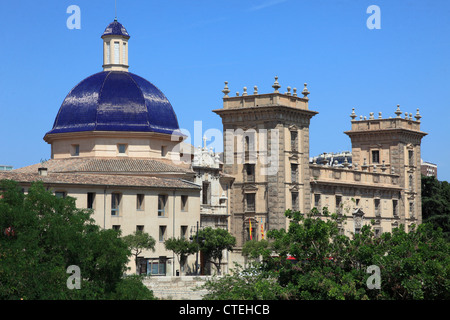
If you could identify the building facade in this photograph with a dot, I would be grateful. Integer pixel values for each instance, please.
(267, 152)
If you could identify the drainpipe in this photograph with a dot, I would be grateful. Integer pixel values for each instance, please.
(104, 207)
(173, 253)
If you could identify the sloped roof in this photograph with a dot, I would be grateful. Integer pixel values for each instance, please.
(99, 180)
(107, 165)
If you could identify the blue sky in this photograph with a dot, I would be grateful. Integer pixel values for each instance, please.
(189, 48)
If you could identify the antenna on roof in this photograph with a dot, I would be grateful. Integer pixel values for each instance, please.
(115, 8)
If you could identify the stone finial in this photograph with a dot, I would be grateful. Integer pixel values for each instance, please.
(418, 116)
(245, 91)
(371, 116)
(346, 164)
(360, 117)
(225, 90)
(255, 90)
(379, 115)
(288, 91)
(406, 115)
(353, 114)
(398, 112)
(410, 116)
(237, 93)
(305, 91)
(295, 92)
(276, 85)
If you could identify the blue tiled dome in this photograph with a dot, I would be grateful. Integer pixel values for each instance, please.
(116, 101)
(116, 28)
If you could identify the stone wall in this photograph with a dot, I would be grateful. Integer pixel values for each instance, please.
(176, 288)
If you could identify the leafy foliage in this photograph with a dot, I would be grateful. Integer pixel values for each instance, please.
(436, 204)
(137, 242)
(326, 265)
(214, 241)
(182, 248)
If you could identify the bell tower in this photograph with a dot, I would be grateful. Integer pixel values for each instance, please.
(393, 145)
(115, 47)
(266, 150)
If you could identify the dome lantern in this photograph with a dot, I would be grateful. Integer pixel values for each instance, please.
(115, 47)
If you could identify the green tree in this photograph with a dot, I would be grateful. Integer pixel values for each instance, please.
(42, 235)
(132, 288)
(436, 204)
(182, 248)
(214, 242)
(137, 242)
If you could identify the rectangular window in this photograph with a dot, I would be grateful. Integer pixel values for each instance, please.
(116, 53)
(157, 267)
(115, 203)
(140, 228)
(90, 200)
(122, 148)
(116, 227)
(162, 202)
(377, 232)
(206, 193)
(375, 156)
(294, 173)
(184, 203)
(249, 172)
(108, 53)
(251, 233)
(294, 200)
(411, 157)
(124, 51)
(377, 207)
(317, 201)
(294, 140)
(338, 204)
(60, 194)
(395, 207)
(140, 202)
(183, 232)
(250, 202)
(75, 150)
(162, 233)
(411, 209)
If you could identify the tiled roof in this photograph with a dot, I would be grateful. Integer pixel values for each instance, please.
(99, 180)
(116, 101)
(108, 165)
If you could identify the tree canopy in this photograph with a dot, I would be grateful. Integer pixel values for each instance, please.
(214, 241)
(436, 204)
(313, 260)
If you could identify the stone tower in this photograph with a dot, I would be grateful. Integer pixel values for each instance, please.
(266, 150)
(393, 145)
